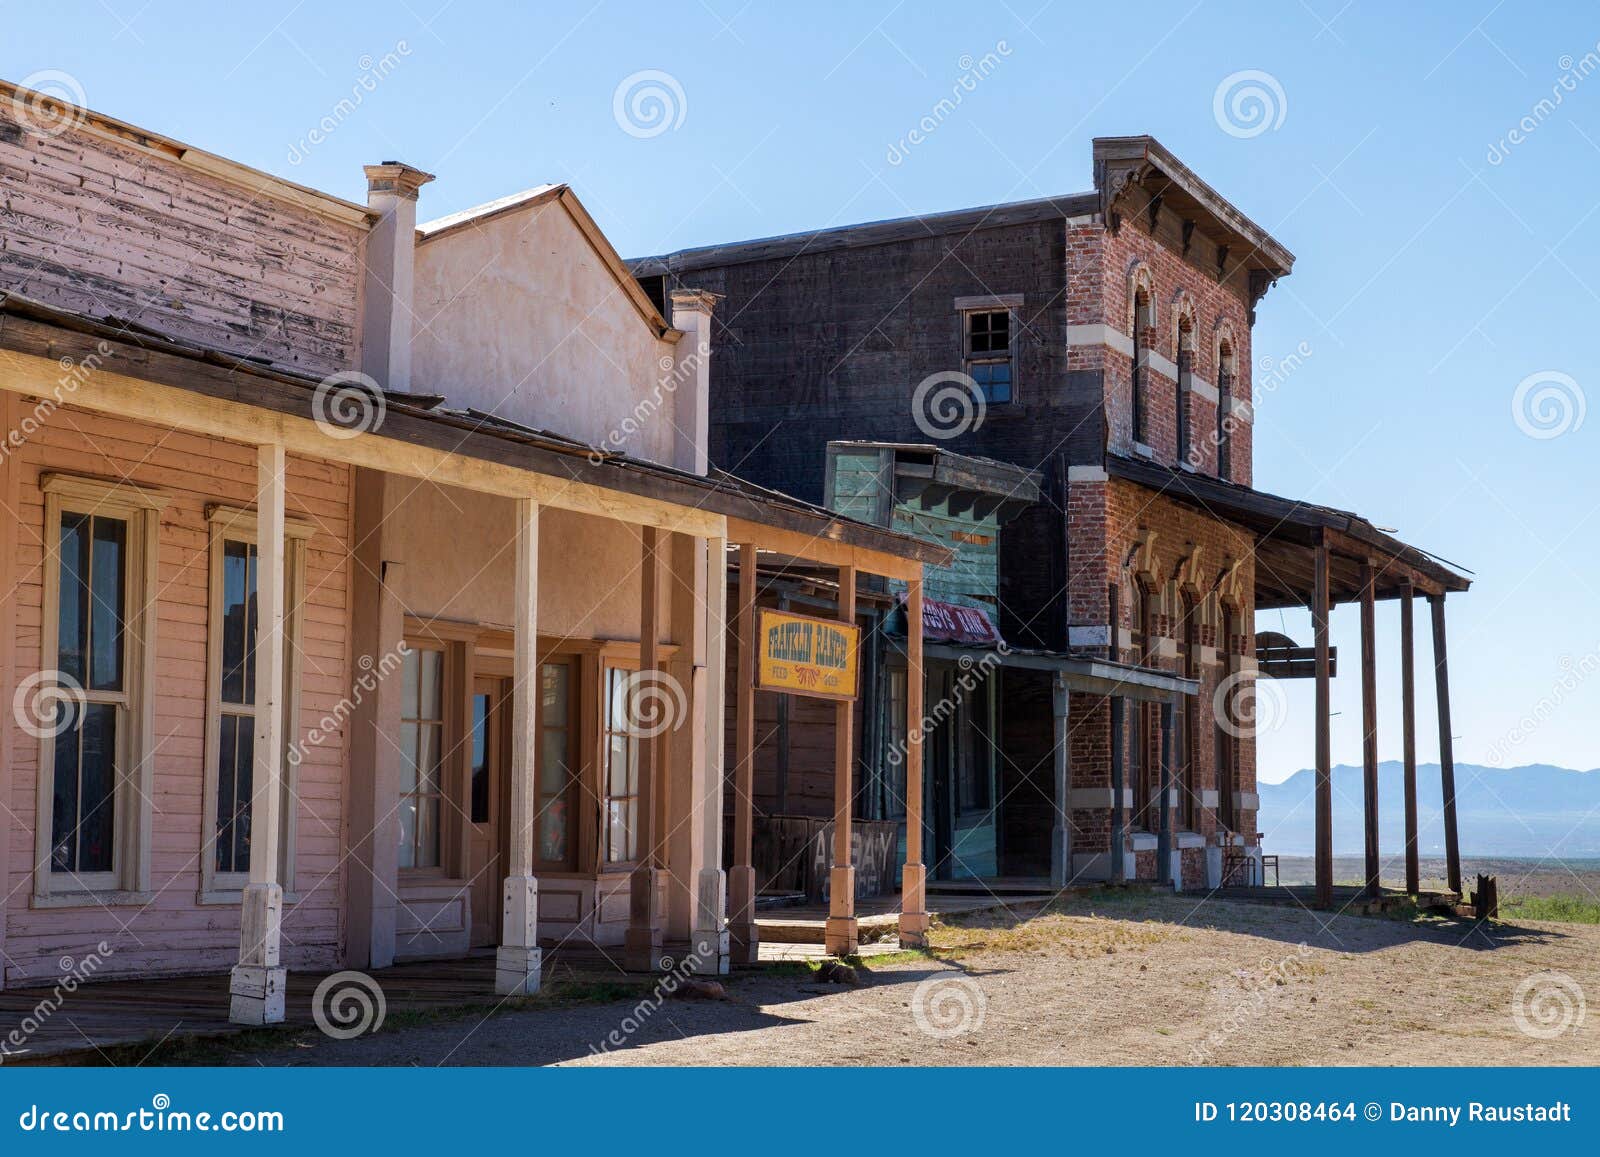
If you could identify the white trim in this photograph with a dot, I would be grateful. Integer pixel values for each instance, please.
(1204, 389)
(1143, 451)
(102, 493)
(1209, 799)
(1182, 840)
(1242, 410)
(1094, 635)
(990, 301)
(1087, 474)
(239, 523)
(1161, 364)
(1246, 801)
(1100, 334)
(1142, 842)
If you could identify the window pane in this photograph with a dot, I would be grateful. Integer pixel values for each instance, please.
(238, 635)
(108, 562)
(408, 831)
(620, 831)
(430, 700)
(227, 782)
(410, 668)
(480, 759)
(72, 623)
(408, 757)
(64, 813)
(243, 808)
(97, 788)
(553, 832)
(619, 765)
(554, 679)
(553, 770)
(428, 756)
(428, 832)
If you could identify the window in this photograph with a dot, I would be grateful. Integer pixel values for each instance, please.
(621, 770)
(894, 787)
(94, 769)
(1185, 385)
(422, 745)
(231, 723)
(1187, 740)
(988, 353)
(977, 767)
(1225, 411)
(1224, 741)
(1141, 310)
(1145, 752)
(557, 765)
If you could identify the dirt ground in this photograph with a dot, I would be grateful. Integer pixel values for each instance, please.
(1104, 979)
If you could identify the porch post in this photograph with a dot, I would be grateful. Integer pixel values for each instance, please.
(914, 876)
(518, 962)
(1408, 727)
(840, 934)
(710, 924)
(1369, 721)
(1061, 841)
(1164, 874)
(1319, 618)
(1119, 810)
(742, 931)
(258, 981)
(643, 940)
(1447, 758)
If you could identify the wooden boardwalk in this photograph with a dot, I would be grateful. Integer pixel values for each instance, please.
(1349, 899)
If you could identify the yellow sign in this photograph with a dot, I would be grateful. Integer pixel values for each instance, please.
(800, 655)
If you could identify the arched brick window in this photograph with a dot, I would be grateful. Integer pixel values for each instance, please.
(1225, 391)
(1142, 327)
(1185, 384)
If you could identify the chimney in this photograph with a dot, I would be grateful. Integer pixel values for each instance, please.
(691, 379)
(391, 260)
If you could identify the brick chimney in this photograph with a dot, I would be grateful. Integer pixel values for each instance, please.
(387, 291)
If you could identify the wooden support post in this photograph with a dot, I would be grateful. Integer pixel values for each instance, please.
(1119, 783)
(1408, 727)
(643, 941)
(1061, 837)
(744, 939)
(1447, 757)
(1164, 873)
(711, 946)
(840, 936)
(257, 984)
(518, 961)
(1369, 723)
(914, 877)
(1319, 620)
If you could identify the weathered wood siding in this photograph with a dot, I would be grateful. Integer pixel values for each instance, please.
(107, 227)
(174, 932)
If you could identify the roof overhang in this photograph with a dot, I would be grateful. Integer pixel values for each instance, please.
(1289, 533)
(1087, 675)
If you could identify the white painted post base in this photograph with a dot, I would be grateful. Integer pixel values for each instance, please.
(1061, 856)
(914, 906)
(256, 994)
(1175, 858)
(1213, 866)
(518, 962)
(1258, 875)
(709, 947)
(517, 971)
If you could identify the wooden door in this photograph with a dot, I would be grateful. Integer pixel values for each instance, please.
(487, 784)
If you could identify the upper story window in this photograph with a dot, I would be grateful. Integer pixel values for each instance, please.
(1141, 351)
(989, 353)
(1184, 386)
(1225, 390)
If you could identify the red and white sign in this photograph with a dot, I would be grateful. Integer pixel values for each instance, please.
(950, 623)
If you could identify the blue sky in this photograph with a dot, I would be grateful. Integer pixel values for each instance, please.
(1432, 278)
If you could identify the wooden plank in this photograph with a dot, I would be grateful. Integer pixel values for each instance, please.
(1324, 739)
(1408, 727)
(741, 879)
(1447, 758)
(914, 876)
(842, 933)
(1369, 723)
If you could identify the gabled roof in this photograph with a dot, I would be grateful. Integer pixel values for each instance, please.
(442, 228)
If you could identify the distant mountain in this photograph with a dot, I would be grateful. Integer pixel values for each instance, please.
(1521, 811)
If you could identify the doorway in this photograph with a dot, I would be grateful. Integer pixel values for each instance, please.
(488, 784)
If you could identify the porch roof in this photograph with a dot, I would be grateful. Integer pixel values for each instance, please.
(1089, 675)
(1288, 532)
(125, 348)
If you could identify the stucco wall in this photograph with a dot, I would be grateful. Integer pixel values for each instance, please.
(519, 316)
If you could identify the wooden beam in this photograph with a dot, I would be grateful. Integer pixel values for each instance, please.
(518, 962)
(829, 551)
(258, 983)
(1447, 757)
(1408, 727)
(1119, 779)
(1324, 793)
(841, 937)
(914, 876)
(1061, 834)
(743, 936)
(1164, 873)
(645, 935)
(1369, 723)
(711, 939)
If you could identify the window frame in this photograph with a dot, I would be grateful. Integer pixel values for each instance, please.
(603, 767)
(971, 358)
(452, 745)
(574, 728)
(128, 880)
(237, 524)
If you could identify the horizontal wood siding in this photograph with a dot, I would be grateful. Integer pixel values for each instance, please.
(92, 224)
(174, 932)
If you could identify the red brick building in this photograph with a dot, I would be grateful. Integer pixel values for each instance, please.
(1102, 339)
